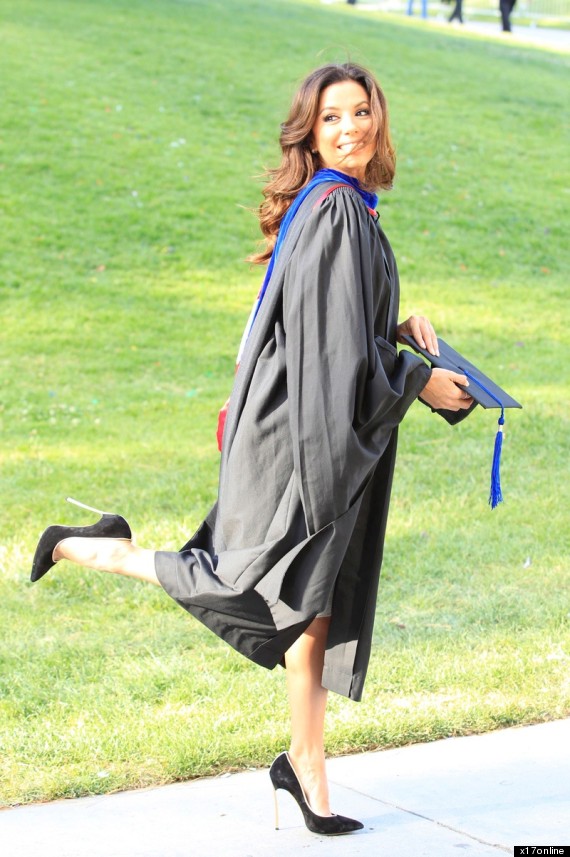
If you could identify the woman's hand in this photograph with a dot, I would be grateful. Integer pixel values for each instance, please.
(422, 331)
(442, 393)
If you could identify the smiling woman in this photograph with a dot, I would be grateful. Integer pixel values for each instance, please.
(344, 135)
(285, 568)
(359, 105)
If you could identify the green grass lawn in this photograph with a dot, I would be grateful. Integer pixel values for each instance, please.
(132, 133)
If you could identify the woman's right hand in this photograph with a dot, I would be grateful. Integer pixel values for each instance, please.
(442, 393)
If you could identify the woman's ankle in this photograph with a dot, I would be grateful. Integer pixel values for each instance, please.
(311, 771)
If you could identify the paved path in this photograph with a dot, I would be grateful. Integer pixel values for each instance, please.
(541, 37)
(558, 40)
(477, 796)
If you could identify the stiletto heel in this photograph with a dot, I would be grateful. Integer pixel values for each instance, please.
(276, 809)
(84, 506)
(283, 776)
(108, 527)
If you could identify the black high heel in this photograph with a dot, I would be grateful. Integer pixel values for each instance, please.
(283, 776)
(108, 527)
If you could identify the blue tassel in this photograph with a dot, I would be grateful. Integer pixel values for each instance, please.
(496, 495)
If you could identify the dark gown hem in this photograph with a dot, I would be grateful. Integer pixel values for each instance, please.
(268, 653)
(341, 682)
(163, 572)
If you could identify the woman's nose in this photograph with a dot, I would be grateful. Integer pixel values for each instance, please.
(348, 125)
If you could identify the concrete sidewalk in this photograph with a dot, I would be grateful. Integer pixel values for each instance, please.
(540, 37)
(522, 34)
(479, 795)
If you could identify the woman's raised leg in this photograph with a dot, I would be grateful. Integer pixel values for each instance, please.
(308, 700)
(117, 556)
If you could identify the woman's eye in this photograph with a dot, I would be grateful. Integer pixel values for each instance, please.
(330, 118)
(363, 112)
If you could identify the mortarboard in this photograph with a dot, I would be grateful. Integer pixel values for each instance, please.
(483, 390)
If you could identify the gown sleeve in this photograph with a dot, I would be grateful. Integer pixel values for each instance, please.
(347, 387)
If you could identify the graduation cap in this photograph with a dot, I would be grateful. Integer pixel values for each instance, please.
(484, 392)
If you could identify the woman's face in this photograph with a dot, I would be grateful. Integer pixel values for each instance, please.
(342, 133)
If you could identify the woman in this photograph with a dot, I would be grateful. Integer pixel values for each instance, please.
(285, 568)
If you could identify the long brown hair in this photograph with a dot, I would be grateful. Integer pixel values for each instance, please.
(299, 163)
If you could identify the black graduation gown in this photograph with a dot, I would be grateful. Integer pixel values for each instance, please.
(308, 452)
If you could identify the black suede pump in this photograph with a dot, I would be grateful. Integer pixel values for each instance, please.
(108, 527)
(284, 777)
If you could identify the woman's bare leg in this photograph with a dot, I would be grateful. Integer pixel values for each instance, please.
(308, 700)
(117, 556)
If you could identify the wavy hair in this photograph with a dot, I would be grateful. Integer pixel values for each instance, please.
(299, 163)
